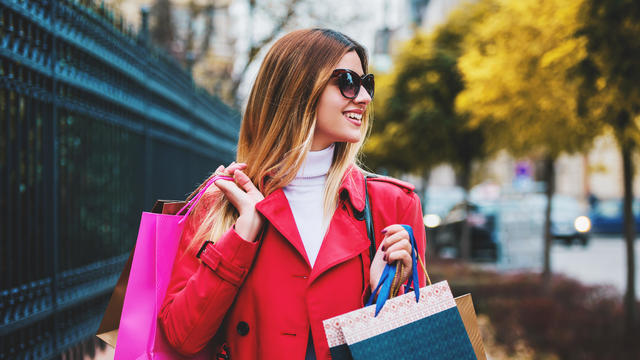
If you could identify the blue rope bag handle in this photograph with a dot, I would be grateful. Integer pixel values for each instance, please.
(386, 279)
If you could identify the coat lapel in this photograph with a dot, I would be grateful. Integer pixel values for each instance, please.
(275, 208)
(346, 237)
(344, 240)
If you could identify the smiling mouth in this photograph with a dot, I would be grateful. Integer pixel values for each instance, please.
(353, 115)
(354, 118)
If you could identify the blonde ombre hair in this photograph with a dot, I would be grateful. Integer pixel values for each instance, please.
(278, 125)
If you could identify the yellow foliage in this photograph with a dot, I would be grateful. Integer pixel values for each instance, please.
(569, 50)
(432, 77)
(515, 68)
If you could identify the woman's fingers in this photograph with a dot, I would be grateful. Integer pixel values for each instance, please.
(401, 255)
(229, 170)
(213, 189)
(397, 247)
(241, 192)
(391, 229)
(401, 250)
(403, 244)
(245, 183)
(393, 236)
(232, 192)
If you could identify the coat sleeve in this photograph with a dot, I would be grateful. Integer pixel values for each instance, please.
(201, 291)
(413, 217)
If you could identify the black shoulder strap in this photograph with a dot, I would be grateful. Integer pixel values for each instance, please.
(368, 218)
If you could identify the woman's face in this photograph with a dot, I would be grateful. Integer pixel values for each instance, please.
(339, 118)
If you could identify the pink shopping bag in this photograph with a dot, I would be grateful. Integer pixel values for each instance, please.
(139, 335)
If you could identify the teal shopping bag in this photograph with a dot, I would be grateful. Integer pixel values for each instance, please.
(421, 324)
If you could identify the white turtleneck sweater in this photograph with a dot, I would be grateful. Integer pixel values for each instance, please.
(305, 196)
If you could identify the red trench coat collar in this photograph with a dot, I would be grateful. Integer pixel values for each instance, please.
(353, 183)
(334, 249)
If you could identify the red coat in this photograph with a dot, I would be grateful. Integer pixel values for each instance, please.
(263, 298)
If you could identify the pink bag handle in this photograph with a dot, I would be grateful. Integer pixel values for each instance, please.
(196, 198)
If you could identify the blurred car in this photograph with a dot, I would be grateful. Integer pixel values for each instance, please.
(607, 216)
(569, 224)
(569, 221)
(438, 202)
(445, 238)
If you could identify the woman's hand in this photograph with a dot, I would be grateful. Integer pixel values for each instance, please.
(396, 246)
(244, 196)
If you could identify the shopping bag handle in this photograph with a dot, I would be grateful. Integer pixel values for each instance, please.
(386, 279)
(196, 198)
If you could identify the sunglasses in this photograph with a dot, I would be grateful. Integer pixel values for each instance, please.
(349, 83)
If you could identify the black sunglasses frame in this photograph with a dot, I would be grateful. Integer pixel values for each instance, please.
(359, 81)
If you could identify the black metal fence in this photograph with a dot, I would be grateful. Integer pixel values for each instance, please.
(95, 125)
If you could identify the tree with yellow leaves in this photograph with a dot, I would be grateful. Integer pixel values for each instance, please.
(610, 94)
(416, 124)
(518, 68)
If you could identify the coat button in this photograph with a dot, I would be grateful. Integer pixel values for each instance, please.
(243, 328)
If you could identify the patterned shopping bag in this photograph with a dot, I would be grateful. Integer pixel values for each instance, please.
(429, 329)
(421, 324)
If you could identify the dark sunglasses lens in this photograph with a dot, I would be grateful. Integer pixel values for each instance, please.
(369, 84)
(349, 85)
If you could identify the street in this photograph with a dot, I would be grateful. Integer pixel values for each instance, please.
(602, 261)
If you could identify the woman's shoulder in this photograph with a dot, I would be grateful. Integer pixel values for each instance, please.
(387, 182)
(390, 189)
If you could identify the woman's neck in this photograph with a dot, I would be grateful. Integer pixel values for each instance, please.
(316, 164)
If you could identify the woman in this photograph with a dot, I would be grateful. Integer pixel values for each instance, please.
(267, 257)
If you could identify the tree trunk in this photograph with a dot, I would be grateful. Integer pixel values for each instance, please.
(550, 180)
(424, 187)
(629, 235)
(465, 233)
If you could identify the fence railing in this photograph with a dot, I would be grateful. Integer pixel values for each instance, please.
(95, 125)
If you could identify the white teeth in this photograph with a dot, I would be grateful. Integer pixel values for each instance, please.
(354, 116)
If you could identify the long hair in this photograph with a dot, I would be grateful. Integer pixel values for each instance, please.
(278, 125)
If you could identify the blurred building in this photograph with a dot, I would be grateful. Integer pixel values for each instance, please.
(213, 67)
(238, 26)
(437, 11)
(398, 21)
(603, 166)
(597, 173)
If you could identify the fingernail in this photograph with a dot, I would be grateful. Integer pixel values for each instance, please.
(384, 231)
(385, 257)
